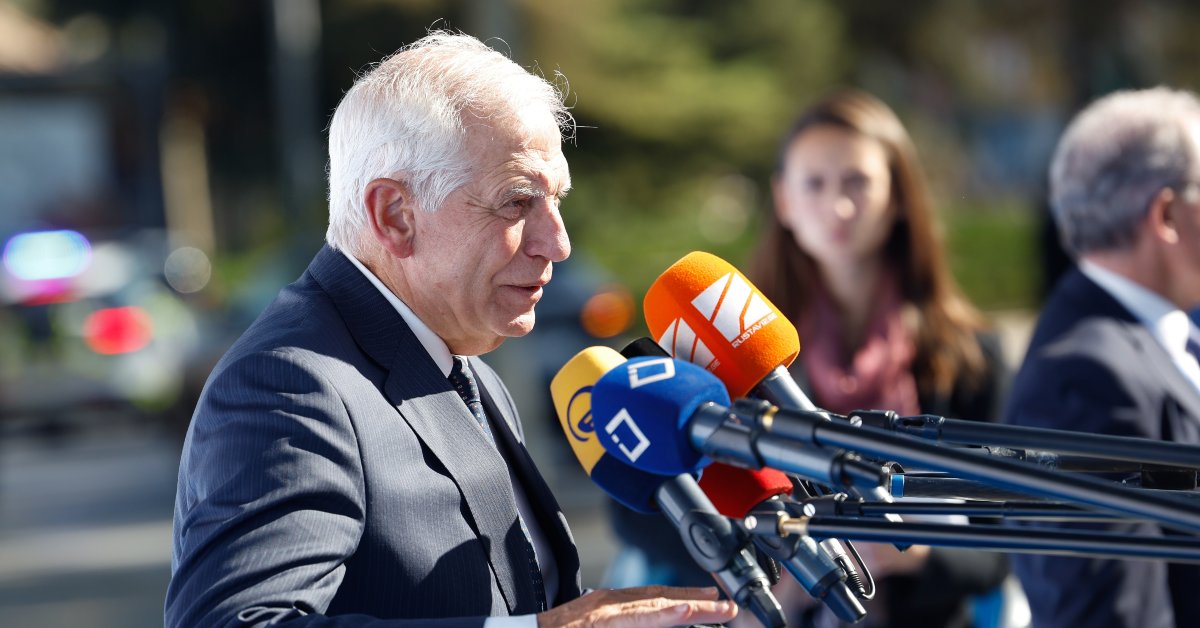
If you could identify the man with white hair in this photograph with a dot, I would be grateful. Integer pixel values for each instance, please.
(351, 462)
(1114, 351)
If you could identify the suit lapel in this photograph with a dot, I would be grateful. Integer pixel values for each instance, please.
(1178, 387)
(437, 415)
(541, 499)
(445, 426)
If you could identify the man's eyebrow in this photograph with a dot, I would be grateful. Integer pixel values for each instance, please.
(536, 191)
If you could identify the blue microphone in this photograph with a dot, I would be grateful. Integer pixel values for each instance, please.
(665, 416)
(641, 409)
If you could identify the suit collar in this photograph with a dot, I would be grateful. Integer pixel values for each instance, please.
(1169, 325)
(434, 345)
(1090, 297)
(376, 326)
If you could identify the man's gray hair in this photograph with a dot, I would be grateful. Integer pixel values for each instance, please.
(1114, 157)
(406, 118)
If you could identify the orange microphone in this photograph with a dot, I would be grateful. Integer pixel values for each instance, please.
(705, 311)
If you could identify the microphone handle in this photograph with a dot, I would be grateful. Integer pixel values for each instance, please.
(719, 548)
(781, 390)
(824, 578)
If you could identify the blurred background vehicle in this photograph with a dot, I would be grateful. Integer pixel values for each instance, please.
(98, 322)
(93, 329)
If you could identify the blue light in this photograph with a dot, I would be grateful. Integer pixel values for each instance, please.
(43, 255)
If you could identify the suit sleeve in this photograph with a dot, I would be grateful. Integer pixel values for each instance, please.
(271, 502)
(1080, 393)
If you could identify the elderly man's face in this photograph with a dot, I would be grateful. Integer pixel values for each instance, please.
(483, 256)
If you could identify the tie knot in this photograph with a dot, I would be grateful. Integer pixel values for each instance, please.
(463, 382)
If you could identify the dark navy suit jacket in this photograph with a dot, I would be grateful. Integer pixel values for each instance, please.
(1092, 367)
(332, 477)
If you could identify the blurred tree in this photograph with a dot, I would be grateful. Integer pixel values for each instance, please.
(672, 98)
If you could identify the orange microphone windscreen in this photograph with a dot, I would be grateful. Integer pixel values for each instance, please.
(735, 491)
(703, 310)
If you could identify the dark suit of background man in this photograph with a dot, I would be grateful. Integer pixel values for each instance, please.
(332, 475)
(1112, 353)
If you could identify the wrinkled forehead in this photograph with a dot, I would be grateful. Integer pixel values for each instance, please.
(527, 120)
(527, 144)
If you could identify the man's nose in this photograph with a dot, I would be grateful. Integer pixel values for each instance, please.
(546, 236)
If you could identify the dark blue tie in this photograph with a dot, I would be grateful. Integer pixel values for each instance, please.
(464, 383)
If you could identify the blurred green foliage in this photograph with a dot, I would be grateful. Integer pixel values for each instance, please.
(679, 105)
(994, 255)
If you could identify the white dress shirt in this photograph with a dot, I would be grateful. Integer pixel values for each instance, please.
(1168, 324)
(437, 349)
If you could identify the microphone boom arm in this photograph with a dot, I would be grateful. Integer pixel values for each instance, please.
(1107, 446)
(809, 430)
(989, 538)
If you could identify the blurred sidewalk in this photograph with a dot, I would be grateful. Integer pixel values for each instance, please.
(85, 529)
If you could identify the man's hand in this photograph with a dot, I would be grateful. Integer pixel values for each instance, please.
(641, 607)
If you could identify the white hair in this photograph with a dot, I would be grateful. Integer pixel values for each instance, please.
(404, 119)
(1114, 158)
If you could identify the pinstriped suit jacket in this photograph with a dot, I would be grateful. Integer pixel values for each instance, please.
(332, 477)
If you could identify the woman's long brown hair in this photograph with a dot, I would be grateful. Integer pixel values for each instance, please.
(945, 322)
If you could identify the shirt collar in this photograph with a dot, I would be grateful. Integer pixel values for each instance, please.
(434, 345)
(1169, 324)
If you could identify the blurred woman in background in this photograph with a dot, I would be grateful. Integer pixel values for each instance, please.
(852, 256)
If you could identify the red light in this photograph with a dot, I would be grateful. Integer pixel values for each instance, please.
(117, 330)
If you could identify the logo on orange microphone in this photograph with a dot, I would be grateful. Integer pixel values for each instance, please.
(680, 339)
(734, 308)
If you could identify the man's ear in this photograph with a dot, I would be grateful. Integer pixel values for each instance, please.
(1161, 217)
(390, 212)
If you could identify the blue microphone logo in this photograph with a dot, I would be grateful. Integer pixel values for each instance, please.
(645, 372)
(581, 427)
(623, 432)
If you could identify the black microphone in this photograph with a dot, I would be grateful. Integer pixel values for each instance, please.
(738, 493)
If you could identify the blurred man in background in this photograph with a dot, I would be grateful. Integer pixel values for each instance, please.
(1114, 351)
(351, 459)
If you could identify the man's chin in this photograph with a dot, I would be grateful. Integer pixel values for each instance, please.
(519, 326)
